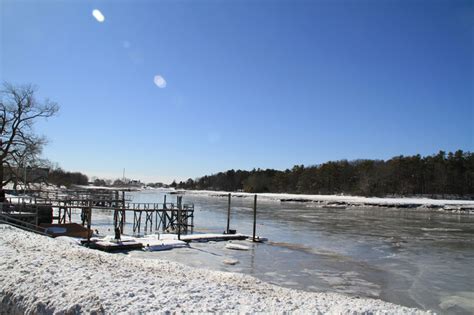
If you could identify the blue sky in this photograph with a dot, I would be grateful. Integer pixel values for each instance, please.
(259, 83)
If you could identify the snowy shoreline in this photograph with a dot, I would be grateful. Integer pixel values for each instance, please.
(339, 200)
(40, 275)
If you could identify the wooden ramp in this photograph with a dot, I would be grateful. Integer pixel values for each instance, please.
(67, 229)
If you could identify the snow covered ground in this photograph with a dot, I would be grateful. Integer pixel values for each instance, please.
(348, 200)
(40, 275)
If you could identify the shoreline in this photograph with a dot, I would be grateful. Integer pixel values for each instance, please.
(44, 275)
(335, 201)
(458, 206)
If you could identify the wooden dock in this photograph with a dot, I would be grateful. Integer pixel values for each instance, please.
(147, 217)
(159, 242)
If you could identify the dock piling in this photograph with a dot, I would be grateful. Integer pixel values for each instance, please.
(164, 214)
(122, 218)
(228, 214)
(89, 219)
(179, 200)
(254, 217)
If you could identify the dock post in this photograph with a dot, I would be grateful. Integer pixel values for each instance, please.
(165, 213)
(179, 200)
(116, 214)
(192, 220)
(69, 214)
(228, 215)
(115, 218)
(89, 219)
(122, 218)
(36, 217)
(254, 217)
(155, 206)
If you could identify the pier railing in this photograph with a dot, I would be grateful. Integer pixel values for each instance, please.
(14, 220)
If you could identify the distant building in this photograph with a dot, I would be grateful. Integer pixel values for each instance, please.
(135, 183)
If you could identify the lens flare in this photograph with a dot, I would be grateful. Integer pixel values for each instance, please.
(159, 81)
(98, 15)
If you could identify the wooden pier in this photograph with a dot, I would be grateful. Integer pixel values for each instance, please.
(167, 217)
(147, 217)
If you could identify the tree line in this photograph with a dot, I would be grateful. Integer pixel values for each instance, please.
(60, 177)
(439, 174)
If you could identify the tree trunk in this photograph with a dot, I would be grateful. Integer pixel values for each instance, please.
(1, 175)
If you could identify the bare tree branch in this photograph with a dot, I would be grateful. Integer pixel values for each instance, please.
(19, 109)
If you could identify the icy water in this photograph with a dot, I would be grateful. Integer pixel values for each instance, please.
(411, 257)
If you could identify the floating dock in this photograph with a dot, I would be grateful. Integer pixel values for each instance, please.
(157, 242)
(110, 245)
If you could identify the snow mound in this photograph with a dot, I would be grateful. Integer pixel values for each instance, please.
(41, 275)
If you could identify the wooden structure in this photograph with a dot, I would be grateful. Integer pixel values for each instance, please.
(22, 222)
(147, 217)
(167, 217)
(68, 229)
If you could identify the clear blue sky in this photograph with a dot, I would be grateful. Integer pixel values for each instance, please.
(249, 84)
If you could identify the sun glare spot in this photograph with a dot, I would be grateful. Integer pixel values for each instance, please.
(159, 81)
(98, 15)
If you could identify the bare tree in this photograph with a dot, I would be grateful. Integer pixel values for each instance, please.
(19, 145)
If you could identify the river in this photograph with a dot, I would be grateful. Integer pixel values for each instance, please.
(417, 258)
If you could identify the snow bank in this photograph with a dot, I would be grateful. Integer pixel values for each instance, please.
(347, 200)
(40, 275)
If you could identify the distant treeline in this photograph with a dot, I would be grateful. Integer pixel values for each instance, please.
(440, 174)
(60, 177)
